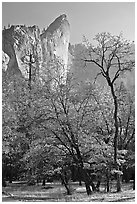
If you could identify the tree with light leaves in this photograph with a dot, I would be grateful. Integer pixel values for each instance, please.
(113, 57)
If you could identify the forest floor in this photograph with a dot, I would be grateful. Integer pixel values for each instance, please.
(55, 192)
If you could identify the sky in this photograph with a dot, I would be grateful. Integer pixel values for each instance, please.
(85, 18)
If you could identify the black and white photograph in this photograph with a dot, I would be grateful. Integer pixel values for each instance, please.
(68, 101)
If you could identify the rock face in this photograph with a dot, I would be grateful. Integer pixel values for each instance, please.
(19, 41)
(55, 42)
(8, 49)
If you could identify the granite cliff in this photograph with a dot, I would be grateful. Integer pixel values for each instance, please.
(19, 41)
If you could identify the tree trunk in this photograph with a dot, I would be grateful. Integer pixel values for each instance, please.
(134, 184)
(65, 184)
(43, 183)
(118, 183)
(4, 182)
(83, 172)
(68, 189)
(86, 180)
(98, 185)
(99, 177)
(88, 189)
(65, 177)
(80, 183)
(10, 179)
(116, 134)
(93, 186)
(30, 64)
(107, 182)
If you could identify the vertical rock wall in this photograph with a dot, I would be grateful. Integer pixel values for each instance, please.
(19, 41)
(55, 43)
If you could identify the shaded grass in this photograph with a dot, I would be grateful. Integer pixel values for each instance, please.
(56, 192)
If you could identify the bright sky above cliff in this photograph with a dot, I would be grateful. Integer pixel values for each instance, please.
(85, 18)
